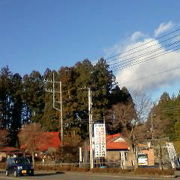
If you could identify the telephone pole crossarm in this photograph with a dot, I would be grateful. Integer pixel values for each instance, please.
(59, 108)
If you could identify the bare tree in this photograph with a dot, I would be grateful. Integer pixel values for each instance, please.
(3, 137)
(30, 138)
(70, 149)
(119, 117)
(143, 105)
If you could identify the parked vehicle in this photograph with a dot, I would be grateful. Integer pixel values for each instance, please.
(177, 163)
(19, 166)
(142, 159)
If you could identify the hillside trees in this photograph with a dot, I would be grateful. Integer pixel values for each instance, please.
(76, 101)
(33, 97)
(50, 118)
(102, 82)
(16, 108)
(165, 117)
(5, 98)
(75, 83)
(10, 103)
(23, 100)
(121, 112)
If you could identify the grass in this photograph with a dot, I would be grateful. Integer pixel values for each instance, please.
(138, 171)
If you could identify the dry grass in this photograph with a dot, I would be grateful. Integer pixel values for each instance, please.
(177, 146)
(153, 171)
(2, 165)
(60, 168)
(138, 171)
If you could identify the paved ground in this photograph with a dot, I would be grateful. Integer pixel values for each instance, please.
(77, 176)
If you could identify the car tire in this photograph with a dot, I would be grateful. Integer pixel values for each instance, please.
(32, 173)
(15, 174)
(7, 173)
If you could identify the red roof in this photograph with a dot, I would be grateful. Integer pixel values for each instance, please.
(9, 149)
(111, 143)
(51, 140)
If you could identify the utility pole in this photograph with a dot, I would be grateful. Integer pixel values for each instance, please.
(59, 108)
(61, 113)
(90, 128)
(152, 127)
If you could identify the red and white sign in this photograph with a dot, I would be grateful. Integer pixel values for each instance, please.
(99, 140)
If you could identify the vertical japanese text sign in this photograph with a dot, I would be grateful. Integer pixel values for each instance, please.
(99, 140)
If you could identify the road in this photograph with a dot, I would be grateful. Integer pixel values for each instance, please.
(76, 176)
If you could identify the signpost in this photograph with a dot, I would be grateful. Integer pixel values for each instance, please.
(99, 141)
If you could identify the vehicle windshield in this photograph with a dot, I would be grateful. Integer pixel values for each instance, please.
(142, 156)
(22, 161)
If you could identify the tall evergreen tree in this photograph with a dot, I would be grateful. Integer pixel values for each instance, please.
(165, 117)
(33, 96)
(50, 118)
(5, 98)
(102, 80)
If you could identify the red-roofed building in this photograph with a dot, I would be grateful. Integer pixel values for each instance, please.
(45, 141)
(8, 151)
(116, 142)
(117, 150)
(52, 140)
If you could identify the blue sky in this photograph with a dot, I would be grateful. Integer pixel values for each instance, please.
(36, 34)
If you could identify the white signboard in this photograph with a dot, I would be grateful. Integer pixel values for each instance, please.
(99, 140)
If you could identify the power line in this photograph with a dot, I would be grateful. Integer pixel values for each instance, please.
(145, 60)
(142, 45)
(144, 54)
(147, 48)
(144, 77)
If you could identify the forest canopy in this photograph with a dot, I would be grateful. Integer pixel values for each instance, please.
(24, 100)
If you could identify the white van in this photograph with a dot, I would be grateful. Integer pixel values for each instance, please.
(142, 159)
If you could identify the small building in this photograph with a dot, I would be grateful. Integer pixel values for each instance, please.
(119, 151)
(48, 148)
(8, 151)
(47, 144)
(147, 150)
(52, 140)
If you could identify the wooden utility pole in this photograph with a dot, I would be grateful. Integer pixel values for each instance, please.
(152, 127)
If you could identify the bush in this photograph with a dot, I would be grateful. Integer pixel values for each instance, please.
(60, 168)
(2, 165)
(138, 171)
(110, 170)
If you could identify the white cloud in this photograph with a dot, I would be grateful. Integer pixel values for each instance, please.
(136, 35)
(156, 73)
(163, 27)
(162, 72)
(120, 47)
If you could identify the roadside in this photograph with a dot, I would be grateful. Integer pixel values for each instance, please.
(103, 174)
(118, 175)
